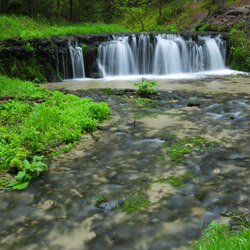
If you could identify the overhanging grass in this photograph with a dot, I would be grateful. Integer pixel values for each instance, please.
(219, 237)
(37, 121)
(26, 28)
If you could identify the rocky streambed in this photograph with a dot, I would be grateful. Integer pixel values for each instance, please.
(150, 178)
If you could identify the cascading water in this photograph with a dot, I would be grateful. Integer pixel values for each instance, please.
(215, 58)
(167, 54)
(77, 61)
(70, 62)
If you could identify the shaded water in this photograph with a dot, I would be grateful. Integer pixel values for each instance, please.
(73, 205)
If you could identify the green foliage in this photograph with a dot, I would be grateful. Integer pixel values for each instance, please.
(134, 202)
(132, 11)
(108, 91)
(177, 150)
(145, 87)
(29, 171)
(26, 28)
(28, 128)
(240, 48)
(176, 180)
(218, 236)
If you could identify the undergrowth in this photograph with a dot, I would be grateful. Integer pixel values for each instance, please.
(240, 48)
(218, 236)
(38, 121)
(26, 28)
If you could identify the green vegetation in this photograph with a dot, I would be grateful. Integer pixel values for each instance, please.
(177, 150)
(218, 236)
(27, 28)
(240, 48)
(176, 180)
(108, 91)
(134, 202)
(27, 172)
(35, 121)
(145, 87)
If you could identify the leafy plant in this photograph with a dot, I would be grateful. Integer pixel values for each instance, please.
(145, 87)
(29, 171)
(218, 236)
(108, 91)
(240, 49)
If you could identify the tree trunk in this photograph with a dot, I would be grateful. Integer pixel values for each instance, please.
(57, 9)
(221, 4)
(70, 10)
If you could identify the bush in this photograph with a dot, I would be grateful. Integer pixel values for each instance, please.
(239, 50)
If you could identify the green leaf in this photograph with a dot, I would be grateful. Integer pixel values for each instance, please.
(21, 186)
(20, 176)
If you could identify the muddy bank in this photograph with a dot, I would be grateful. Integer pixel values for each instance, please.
(79, 203)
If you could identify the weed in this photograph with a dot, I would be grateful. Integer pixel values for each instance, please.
(145, 87)
(28, 172)
(177, 151)
(134, 202)
(176, 180)
(218, 236)
(108, 91)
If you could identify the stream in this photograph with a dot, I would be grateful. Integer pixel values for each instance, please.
(78, 203)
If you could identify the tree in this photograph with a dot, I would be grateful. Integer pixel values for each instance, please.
(70, 10)
(133, 11)
(221, 4)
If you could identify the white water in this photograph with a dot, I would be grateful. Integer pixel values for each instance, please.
(77, 61)
(168, 54)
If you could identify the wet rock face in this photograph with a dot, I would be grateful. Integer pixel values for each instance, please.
(225, 20)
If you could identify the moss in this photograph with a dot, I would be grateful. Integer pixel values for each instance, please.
(134, 202)
(177, 150)
(176, 180)
(84, 48)
(27, 70)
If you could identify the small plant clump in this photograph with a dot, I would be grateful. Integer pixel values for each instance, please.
(175, 180)
(108, 91)
(134, 202)
(145, 87)
(218, 236)
(177, 151)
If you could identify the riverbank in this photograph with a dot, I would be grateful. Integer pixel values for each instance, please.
(36, 122)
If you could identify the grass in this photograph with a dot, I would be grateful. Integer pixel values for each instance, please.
(27, 28)
(176, 180)
(38, 122)
(177, 150)
(219, 237)
(134, 202)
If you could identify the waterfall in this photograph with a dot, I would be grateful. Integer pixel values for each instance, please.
(76, 61)
(70, 62)
(215, 58)
(166, 54)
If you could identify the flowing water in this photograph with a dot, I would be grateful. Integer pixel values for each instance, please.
(166, 54)
(159, 55)
(76, 204)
